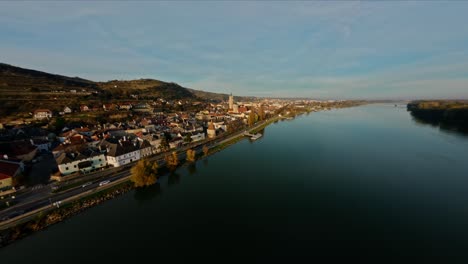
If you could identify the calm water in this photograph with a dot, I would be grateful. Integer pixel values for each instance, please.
(361, 181)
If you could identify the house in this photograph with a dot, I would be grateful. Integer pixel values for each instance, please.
(85, 131)
(22, 150)
(67, 110)
(146, 149)
(195, 136)
(8, 171)
(42, 113)
(176, 142)
(80, 161)
(108, 107)
(84, 108)
(211, 131)
(125, 106)
(41, 144)
(121, 152)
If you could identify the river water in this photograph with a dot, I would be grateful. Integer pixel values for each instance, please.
(366, 180)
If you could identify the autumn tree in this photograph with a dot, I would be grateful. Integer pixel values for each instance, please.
(164, 145)
(205, 150)
(144, 173)
(252, 117)
(261, 113)
(172, 160)
(191, 155)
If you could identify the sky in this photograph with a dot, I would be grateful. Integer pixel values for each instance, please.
(322, 50)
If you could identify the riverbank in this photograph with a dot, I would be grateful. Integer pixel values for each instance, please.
(447, 114)
(51, 216)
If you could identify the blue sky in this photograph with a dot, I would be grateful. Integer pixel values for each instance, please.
(343, 50)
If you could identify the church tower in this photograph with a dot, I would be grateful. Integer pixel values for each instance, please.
(231, 102)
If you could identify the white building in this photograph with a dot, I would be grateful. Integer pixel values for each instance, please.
(67, 110)
(84, 161)
(42, 113)
(121, 152)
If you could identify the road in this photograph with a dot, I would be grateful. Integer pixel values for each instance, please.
(30, 201)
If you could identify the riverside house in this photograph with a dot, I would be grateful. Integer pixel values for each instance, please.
(121, 151)
(80, 161)
(42, 113)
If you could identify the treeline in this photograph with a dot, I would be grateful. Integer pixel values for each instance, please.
(448, 114)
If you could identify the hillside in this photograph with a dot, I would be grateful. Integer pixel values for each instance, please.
(24, 90)
(17, 79)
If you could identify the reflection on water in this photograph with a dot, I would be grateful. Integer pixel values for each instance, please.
(147, 193)
(451, 128)
(174, 178)
(192, 168)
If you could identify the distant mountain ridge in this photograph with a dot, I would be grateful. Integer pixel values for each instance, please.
(14, 79)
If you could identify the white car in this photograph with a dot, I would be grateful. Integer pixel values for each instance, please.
(86, 184)
(104, 183)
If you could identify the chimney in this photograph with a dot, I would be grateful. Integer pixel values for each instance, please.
(125, 138)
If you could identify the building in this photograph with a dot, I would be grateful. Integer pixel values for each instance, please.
(67, 110)
(211, 131)
(80, 161)
(42, 113)
(8, 171)
(84, 108)
(22, 150)
(235, 108)
(41, 144)
(146, 149)
(231, 101)
(121, 152)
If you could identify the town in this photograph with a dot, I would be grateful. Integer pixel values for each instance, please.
(55, 146)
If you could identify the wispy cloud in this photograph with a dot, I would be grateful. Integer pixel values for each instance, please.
(318, 49)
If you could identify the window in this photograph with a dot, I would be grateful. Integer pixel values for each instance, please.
(74, 166)
(66, 168)
(100, 160)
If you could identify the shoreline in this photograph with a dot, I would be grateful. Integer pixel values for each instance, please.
(48, 217)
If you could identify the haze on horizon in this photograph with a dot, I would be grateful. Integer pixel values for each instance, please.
(343, 50)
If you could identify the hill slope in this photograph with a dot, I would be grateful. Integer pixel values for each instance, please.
(17, 79)
(17, 82)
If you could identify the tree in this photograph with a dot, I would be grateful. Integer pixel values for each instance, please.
(172, 160)
(164, 145)
(205, 150)
(191, 155)
(144, 173)
(261, 113)
(252, 117)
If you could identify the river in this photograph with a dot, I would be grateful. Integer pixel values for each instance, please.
(365, 180)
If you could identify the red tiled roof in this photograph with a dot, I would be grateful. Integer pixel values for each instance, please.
(8, 169)
(4, 176)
